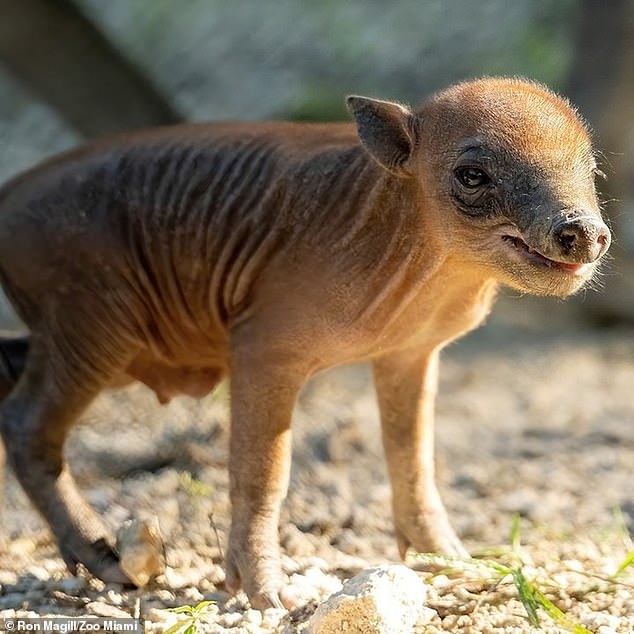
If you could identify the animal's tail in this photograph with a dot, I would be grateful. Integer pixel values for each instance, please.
(13, 353)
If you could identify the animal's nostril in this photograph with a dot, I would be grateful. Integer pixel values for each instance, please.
(568, 239)
(587, 239)
(603, 240)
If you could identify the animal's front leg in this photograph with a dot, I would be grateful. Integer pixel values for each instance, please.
(262, 399)
(406, 386)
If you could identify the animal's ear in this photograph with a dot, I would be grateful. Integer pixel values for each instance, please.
(386, 130)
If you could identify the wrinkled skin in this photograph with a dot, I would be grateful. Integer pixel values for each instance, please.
(270, 252)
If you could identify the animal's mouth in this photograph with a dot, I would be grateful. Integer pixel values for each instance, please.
(535, 258)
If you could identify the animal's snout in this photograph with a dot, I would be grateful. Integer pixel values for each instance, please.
(582, 239)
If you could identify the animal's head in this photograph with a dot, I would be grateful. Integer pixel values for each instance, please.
(510, 167)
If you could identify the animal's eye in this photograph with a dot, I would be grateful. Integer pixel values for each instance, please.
(472, 177)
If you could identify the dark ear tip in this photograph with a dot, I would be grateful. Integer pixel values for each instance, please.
(353, 102)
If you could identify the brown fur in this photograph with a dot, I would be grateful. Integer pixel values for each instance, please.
(271, 252)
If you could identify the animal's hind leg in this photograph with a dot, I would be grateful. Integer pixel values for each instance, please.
(55, 387)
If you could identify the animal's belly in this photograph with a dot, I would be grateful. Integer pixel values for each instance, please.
(168, 381)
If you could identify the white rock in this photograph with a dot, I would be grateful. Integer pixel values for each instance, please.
(253, 616)
(381, 600)
(141, 549)
(602, 622)
(313, 585)
(161, 615)
(231, 619)
(271, 619)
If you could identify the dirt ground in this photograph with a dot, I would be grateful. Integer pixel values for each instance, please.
(534, 417)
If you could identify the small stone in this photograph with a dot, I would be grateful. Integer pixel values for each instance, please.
(381, 600)
(113, 598)
(602, 622)
(8, 578)
(164, 595)
(215, 575)
(181, 578)
(253, 616)
(141, 549)
(440, 581)
(313, 585)
(271, 618)
(40, 573)
(231, 619)
(22, 546)
(323, 581)
(160, 615)
(97, 608)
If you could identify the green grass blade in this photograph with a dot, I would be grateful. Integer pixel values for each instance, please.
(183, 609)
(526, 593)
(622, 524)
(559, 617)
(195, 488)
(469, 564)
(516, 543)
(628, 561)
(533, 598)
(202, 607)
(177, 627)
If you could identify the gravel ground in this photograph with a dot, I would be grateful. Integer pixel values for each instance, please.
(533, 418)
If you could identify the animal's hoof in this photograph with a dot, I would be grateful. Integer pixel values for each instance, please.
(262, 580)
(265, 600)
(284, 599)
(98, 558)
(446, 543)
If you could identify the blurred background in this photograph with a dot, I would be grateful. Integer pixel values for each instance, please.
(74, 69)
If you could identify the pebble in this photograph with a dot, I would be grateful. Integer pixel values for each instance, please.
(164, 595)
(96, 608)
(159, 615)
(8, 578)
(170, 514)
(141, 549)
(231, 619)
(253, 616)
(192, 595)
(113, 597)
(22, 547)
(381, 600)
(313, 585)
(271, 618)
(41, 573)
(602, 622)
(182, 578)
(215, 574)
